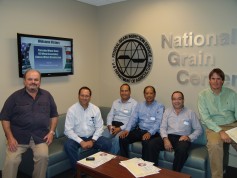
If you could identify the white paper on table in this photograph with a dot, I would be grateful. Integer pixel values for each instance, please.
(100, 158)
(232, 134)
(140, 168)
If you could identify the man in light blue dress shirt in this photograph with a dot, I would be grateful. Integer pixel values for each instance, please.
(144, 124)
(179, 127)
(119, 116)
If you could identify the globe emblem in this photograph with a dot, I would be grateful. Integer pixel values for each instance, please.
(131, 58)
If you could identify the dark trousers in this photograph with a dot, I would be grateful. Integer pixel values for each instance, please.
(71, 148)
(180, 150)
(134, 136)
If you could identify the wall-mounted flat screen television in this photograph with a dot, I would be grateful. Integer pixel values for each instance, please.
(52, 56)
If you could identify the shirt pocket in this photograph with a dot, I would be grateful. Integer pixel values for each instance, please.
(43, 107)
(151, 120)
(228, 105)
(23, 107)
(116, 112)
(91, 121)
(185, 125)
(142, 114)
(127, 111)
(154, 115)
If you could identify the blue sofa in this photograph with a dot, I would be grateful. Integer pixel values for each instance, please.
(197, 164)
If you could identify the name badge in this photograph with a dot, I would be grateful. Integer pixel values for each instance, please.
(152, 118)
(125, 111)
(186, 123)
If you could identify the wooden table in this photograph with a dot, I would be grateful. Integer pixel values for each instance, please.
(112, 169)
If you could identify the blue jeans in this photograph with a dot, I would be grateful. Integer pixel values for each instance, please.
(115, 141)
(71, 148)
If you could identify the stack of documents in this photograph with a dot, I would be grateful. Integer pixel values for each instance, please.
(232, 134)
(100, 158)
(140, 168)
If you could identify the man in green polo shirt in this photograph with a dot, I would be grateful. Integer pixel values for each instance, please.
(218, 110)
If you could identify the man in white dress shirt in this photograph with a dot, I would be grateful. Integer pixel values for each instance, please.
(83, 127)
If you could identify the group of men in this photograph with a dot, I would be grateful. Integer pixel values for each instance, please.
(29, 118)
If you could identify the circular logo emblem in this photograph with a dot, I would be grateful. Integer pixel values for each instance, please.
(132, 58)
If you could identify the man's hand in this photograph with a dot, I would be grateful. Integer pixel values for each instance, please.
(109, 128)
(116, 130)
(124, 134)
(12, 144)
(86, 144)
(225, 137)
(168, 146)
(11, 141)
(146, 136)
(184, 138)
(49, 138)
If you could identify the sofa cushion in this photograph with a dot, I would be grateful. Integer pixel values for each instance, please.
(104, 112)
(136, 148)
(197, 157)
(57, 153)
(202, 139)
(59, 132)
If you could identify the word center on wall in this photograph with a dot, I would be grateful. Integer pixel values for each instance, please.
(202, 59)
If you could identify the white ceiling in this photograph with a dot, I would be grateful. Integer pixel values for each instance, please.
(100, 2)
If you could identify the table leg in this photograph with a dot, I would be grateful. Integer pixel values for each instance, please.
(78, 173)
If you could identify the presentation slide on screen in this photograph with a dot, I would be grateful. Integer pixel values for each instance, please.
(46, 55)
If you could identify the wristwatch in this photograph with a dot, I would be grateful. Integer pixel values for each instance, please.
(52, 132)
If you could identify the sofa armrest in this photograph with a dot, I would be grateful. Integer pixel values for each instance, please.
(104, 112)
(59, 131)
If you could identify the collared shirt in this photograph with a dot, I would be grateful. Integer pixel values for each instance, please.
(121, 111)
(219, 109)
(185, 123)
(147, 117)
(82, 122)
(29, 117)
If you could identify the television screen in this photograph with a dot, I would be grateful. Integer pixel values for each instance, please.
(52, 56)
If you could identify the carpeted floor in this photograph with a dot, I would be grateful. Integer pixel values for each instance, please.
(231, 172)
(66, 174)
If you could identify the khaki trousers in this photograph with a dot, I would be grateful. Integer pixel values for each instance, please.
(13, 159)
(215, 148)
